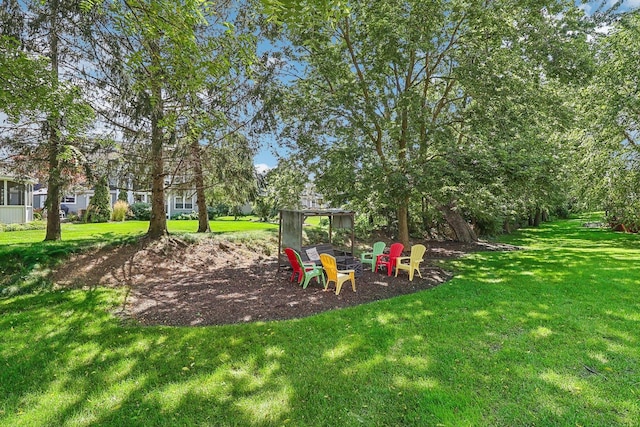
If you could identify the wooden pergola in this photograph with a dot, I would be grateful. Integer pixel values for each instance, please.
(291, 224)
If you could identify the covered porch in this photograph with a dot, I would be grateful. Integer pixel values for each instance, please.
(16, 200)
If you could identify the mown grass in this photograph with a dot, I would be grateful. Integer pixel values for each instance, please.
(25, 259)
(545, 336)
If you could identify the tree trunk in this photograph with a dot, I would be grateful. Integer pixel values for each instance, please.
(203, 217)
(403, 222)
(537, 218)
(461, 228)
(426, 222)
(158, 222)
(54, 230)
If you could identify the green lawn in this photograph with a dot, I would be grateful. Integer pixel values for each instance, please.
(105, 231)
(547, 336)
(24, 256)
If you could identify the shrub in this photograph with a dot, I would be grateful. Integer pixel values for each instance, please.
(211, 212)
(33, 225)
(120, 209)
(141, 211)
(221, 209)
(99, 209)
(122, 195)
(74, 218)
(185, 216)
(264, 209)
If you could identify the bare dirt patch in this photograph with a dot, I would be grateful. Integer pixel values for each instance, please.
(214, 282)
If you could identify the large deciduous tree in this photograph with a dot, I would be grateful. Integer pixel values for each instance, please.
(609, 151)
(391, 98)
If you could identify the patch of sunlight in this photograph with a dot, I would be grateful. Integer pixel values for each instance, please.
(543, 306)
(541, 332)
(252, 377)
(537, 315)
(172, 395)
(267, 407)
(415, 362)
(109, 400)
(415, 384)
(551, 404)
(371, 364)
(632, 317)
(482, 313)
(224, 357)
(609, 333)
(339, 351)
(85, 353)
(618, 348)
(236, 340)
(43, 407)
(599, 357)
(527, 273)
(386, 318)
(624, 255)
(274, 351)
(120, 370)
(141, 345)
(564, 382)
(491, 280)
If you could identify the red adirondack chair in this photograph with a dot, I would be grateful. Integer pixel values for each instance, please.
(389, 260)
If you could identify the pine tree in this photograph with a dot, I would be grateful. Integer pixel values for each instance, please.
(99, 209)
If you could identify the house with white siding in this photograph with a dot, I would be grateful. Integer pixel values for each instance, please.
(16, 199)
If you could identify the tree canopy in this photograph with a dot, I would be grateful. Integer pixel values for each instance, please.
(447, 102)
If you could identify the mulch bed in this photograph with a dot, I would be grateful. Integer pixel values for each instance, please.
(257, 291)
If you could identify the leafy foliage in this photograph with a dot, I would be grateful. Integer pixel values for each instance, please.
(120, 210)
(99, 209)
(141, 211)
(608, 173)
(439, 101)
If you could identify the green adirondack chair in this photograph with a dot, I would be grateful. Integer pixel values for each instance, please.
(305, 270)
(370, 257)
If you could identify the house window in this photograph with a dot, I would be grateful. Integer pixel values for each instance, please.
(2, 193)
(183, 202)
(15, 192)
(179, 204)
(139, 198)
(69, 200)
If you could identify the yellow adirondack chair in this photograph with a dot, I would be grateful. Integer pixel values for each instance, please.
(335, 275)
(417, 253)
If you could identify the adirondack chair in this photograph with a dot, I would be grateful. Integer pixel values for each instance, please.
(371, 257)
(389, 260)
(335, 275)
(413, 264)
(305, 271)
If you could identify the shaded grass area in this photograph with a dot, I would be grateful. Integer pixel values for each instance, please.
(545, 336)
(25, 259)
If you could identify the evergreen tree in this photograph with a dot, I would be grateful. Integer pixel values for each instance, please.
(99, 209)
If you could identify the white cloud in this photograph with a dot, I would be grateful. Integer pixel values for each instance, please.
(262, 168)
